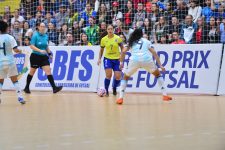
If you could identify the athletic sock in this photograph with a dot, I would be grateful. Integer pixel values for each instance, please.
(161, 85)
(123, 88)
(107, 83)
(51, 81)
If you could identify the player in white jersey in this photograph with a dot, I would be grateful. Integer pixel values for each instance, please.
(142, 53)
(7, 63)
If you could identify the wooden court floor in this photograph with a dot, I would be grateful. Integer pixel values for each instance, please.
(84, 121)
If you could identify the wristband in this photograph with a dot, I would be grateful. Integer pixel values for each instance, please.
(49, 54)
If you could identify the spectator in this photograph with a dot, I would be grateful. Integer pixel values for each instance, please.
(92, 32)
(29, 6)
(136, 2)
(139, 16)
(89, 12)
(61, 16)
(118, 28)
(168, 13)
(73, 16)
(219, 13)
(129, 14)
(52, 35)
(213, 32)
(49, 19)
(174, 27)
(176, 40)
(76, 31)
(26, 30)
(148, 6)
(70, 40)
(115, 13)
(17, 17)
(102, 15)
(17, 33)
(62, 35)
(78, 5)
(163, 39)
(194, 10)
(26, 41)
(154, 15)
(188, 30)
(159, 29)
(126, 31)
(123, 37)
(7, 14)
(36, 20)
(50, 6)
(147, 27)
(222, 31)
(181, 11)
(103, 27)
(84, 40)
(207, 10)
(200, 36)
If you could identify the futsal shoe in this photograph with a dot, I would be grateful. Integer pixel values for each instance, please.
(27, 90)
(21, 100)
(107, 94)
(167, 98)
(57, 89)
(114, 92)
(119, 101)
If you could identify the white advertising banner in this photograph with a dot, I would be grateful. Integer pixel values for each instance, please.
(75, 68)
(190, 68)
(221, 87)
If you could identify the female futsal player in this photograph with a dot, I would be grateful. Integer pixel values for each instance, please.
(141, 57)
(40, 58)
(111, 43)
(7, 63)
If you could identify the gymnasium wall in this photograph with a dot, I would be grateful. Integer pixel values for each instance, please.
(191, 69)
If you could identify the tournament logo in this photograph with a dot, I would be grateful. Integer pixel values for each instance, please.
(22, 63)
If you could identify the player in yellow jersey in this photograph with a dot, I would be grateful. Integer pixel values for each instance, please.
(111, 43)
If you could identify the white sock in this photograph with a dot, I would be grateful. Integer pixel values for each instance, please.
(18, 90)
(123, 88)
(161, 85)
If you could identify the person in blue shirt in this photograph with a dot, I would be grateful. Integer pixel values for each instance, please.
(89, 12)
(207, 11)
(40, 57)
(142, 53)
(7, 63)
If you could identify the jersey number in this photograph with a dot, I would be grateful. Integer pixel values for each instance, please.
(141, 43)
(2, 47)
(111, 47)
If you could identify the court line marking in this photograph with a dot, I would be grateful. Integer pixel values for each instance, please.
(18, 147)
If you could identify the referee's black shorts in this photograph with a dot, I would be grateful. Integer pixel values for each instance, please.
(38, 61)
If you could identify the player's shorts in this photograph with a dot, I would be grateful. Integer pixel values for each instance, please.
(113, 64)
(38, 61)
(8, 71)
(133, 66)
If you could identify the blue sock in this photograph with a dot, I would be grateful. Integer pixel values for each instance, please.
(116, 83)
(107, 83)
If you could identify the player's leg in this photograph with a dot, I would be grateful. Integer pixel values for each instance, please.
(117, 75)
(108, 74)
(152, 68)
(47, 71)
(18, 89)
(29, 79)
(132, 68)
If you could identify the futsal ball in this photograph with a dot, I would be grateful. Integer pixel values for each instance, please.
(101, 92)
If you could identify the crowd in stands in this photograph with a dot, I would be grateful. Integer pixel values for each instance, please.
(83, 22)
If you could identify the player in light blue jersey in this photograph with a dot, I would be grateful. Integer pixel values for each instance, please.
(142, 53)
(7, 64)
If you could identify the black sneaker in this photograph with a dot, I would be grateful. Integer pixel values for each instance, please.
(114, 91)
(26, 90)
(57, 89)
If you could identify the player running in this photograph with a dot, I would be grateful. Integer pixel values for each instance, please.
(141, 57)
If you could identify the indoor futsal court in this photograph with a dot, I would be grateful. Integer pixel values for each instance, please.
(84, 121)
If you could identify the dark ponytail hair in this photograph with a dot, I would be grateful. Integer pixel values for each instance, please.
(135, 36)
